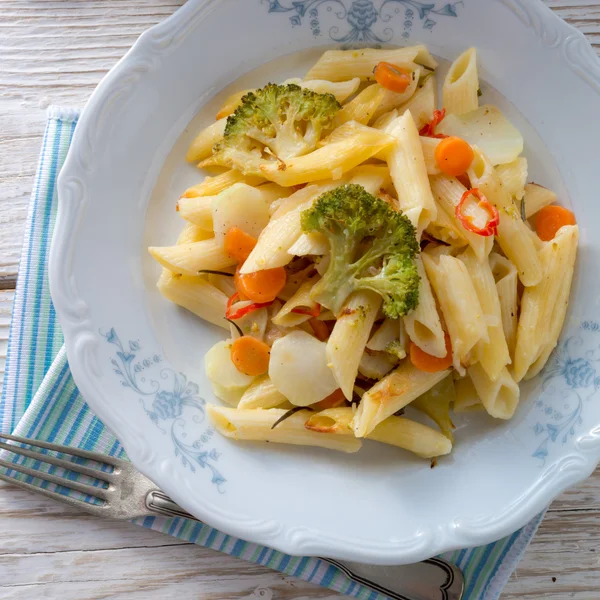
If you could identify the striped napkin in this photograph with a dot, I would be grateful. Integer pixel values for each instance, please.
(40, 400)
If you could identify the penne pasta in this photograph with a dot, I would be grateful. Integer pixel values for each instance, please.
(376, 365)
(211, 186)
(339, 65)
(466, 399)
(197, 210)
(422, 104)
(423, 324)
(445, 229)
(392, 393)
(499, 397)
(506, 277)
(387, 333)
(192, 233)
(363, 108)
(429, 146)
(459, 304)
(461, 87)
(409, 173)
(349, 337)
(195, 295)
(541, 316)
(536, 197)
(189, 259)
(494, 355)
(204, 142)
(513, 177)
(257, 425)
(261, 394)
(395, 431)
(314, 244)
(395, 100)
(436, 403)
(301, 299)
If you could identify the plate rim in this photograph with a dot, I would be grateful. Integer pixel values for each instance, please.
(70, 307)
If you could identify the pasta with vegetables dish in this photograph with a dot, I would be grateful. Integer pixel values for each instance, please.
(367, 252)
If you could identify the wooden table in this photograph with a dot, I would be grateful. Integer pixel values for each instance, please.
(55, 52)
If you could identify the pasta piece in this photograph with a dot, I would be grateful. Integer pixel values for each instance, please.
(202, 146)
(223, 283)
(392, 100)
(445, 229)
(513, 234)
(188, 259)
(330, 161)
(422, 104)
(448, 192)
(339, 65)
(298, 369)
(315, 244)
(500, 398)
(227, 382)
(363, 107)
(382, 122)
(514, 177)
(261, 394)
(271, 192)
(436, 402)
(409, 173)
(349, 338)
(459, 304)
(429, 146)
(197, 210)
(257, 425)
(494, 353)
(488, 129)
(395, 431)
(461, 87)
(536, 197)
(192, 233)
(239, 206)
(466, 399)
(506, 277)
(196, 295)
(393, 392)
(423, 324)
(541, 317)
(372, 177)
(231, 103)
(301, 299)
(211, 186)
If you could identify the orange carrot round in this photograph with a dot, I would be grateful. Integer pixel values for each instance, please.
(250, 356)
(334, 400)
(550, 219)
(261, 286)
(238, 244)
(392, 78)
(454, 156)
(428, 363)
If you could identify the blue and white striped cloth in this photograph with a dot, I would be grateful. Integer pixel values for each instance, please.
(40, 400)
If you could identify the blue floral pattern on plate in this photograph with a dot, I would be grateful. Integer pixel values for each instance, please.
(364, 17)
(172, 404)
(571, 375)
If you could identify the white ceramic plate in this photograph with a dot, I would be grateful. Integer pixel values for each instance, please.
(134, 356)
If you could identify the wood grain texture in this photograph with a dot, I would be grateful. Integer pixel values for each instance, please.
(55, 52)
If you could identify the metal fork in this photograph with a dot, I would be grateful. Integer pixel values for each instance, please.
(119, 491)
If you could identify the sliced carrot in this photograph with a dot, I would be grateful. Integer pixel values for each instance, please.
(250, 356)
(454, 156)
(428, 363)
(238, 244)
(392, 78)
(261, 286)
(550, 219)
(320, 329)
(334, 400)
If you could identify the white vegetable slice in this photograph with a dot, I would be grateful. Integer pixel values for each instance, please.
(489, 130)
(227, 382)
(240, 206)
(298, 369)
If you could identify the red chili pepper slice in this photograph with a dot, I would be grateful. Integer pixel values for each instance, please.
(240, 312)
(491, 226)
(304, 310)
(429, 129)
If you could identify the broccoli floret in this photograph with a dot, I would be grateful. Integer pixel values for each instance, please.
(372, 247)
(275, 123)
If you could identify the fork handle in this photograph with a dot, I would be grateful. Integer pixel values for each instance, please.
(161, 504)
(433, 579)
